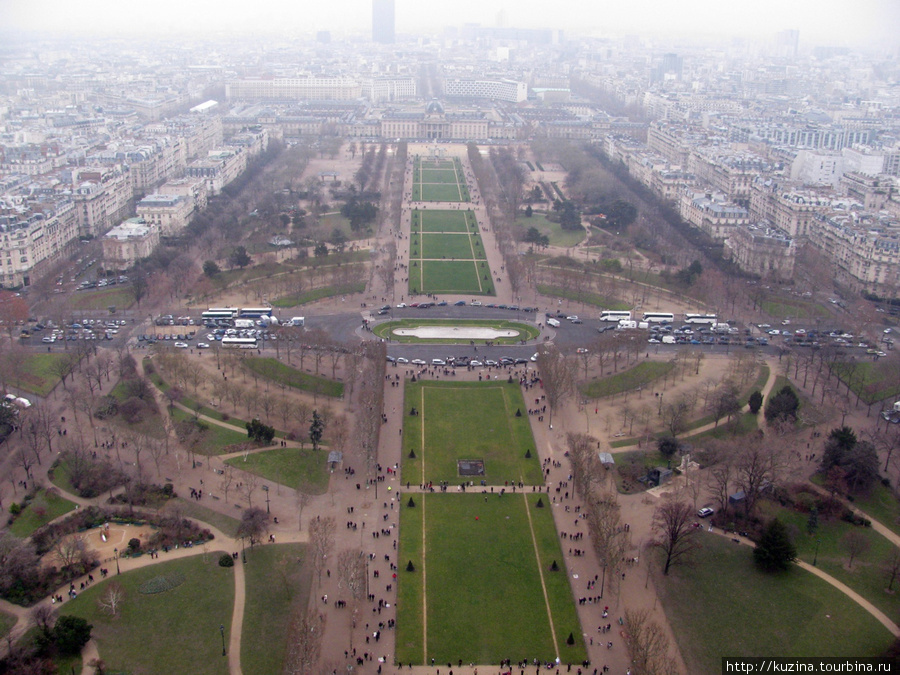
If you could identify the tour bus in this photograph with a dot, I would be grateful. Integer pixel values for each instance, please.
(612, 315)
(239, 342)
(255, 312)
(658, 317)
(701, 318)
(216, 313)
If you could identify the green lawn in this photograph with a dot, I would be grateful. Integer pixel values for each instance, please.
(7, 621)
(438, 176)
(781, 308)
(479, 576)
(59, 476)
(276, 371)
(449, 246)
(441, 192)
(882, 505)
(121, 297)
(722, 606)
(134, 641)
(865, 577)
(442, 221)
(275, 585)
(640, 376)
(37, 373)
(386, 330)
(215, 439)
(315, 294)
(289, 466)
(446, 276)
(746, 423)
(587, 297)
(468, 420)
(45, 506)
(871, 380)
(554, 231)
(193, 509)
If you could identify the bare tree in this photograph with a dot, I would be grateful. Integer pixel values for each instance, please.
(304, 642)
(718, 479)
(302, 499)
(648, 646)
(248, 486)
(673, 522)
(855, 543)
(110, 601)
(44, 617)
(254, 523)
(70, 551)
(891, 568)
(227, 481)
(351, 567)
(675, 415)
(558, 376)
(321, 540)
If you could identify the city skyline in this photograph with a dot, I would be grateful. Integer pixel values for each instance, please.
(870, 21)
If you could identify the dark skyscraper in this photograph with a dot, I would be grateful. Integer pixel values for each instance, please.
(383, 21)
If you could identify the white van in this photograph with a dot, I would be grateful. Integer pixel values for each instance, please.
(668, 339)
(627, 325)
(299, 321)
(553, 322)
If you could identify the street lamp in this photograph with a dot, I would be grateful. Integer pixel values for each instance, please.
(116, 552)
(603, 580)
(222, 631)
(266, 490)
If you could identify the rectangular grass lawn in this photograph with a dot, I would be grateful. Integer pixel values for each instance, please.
(443, 221)
(448, 246)
(451, 276)
(441, 192)
(288, 466)
(176, 631)
(482, 566)
(276, 585)
(468, 420)
(439, 175)
(723, 606)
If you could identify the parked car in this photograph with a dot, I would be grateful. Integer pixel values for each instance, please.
(705, 512)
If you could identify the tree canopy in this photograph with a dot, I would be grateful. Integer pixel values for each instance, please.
(774, 551)
(239, 257)
(858, 460)
(782, 406)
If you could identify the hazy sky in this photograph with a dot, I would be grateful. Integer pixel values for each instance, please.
(851, 21)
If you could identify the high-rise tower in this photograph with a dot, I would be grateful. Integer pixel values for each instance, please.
(383, 21)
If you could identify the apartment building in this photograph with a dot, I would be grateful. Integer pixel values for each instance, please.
(127, 243)
(169, 214)
(388, 89)
(294, 89)
(762, 250)
(790, 208)
(32, 236)
(512, 91)
(192, 189)
(864, 247)
(730, 174)
(712, 213)
(102, 196)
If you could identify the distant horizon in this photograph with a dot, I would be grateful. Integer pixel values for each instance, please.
(864, 23)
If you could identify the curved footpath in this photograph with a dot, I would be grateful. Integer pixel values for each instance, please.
(842, 587)
(220, 541)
